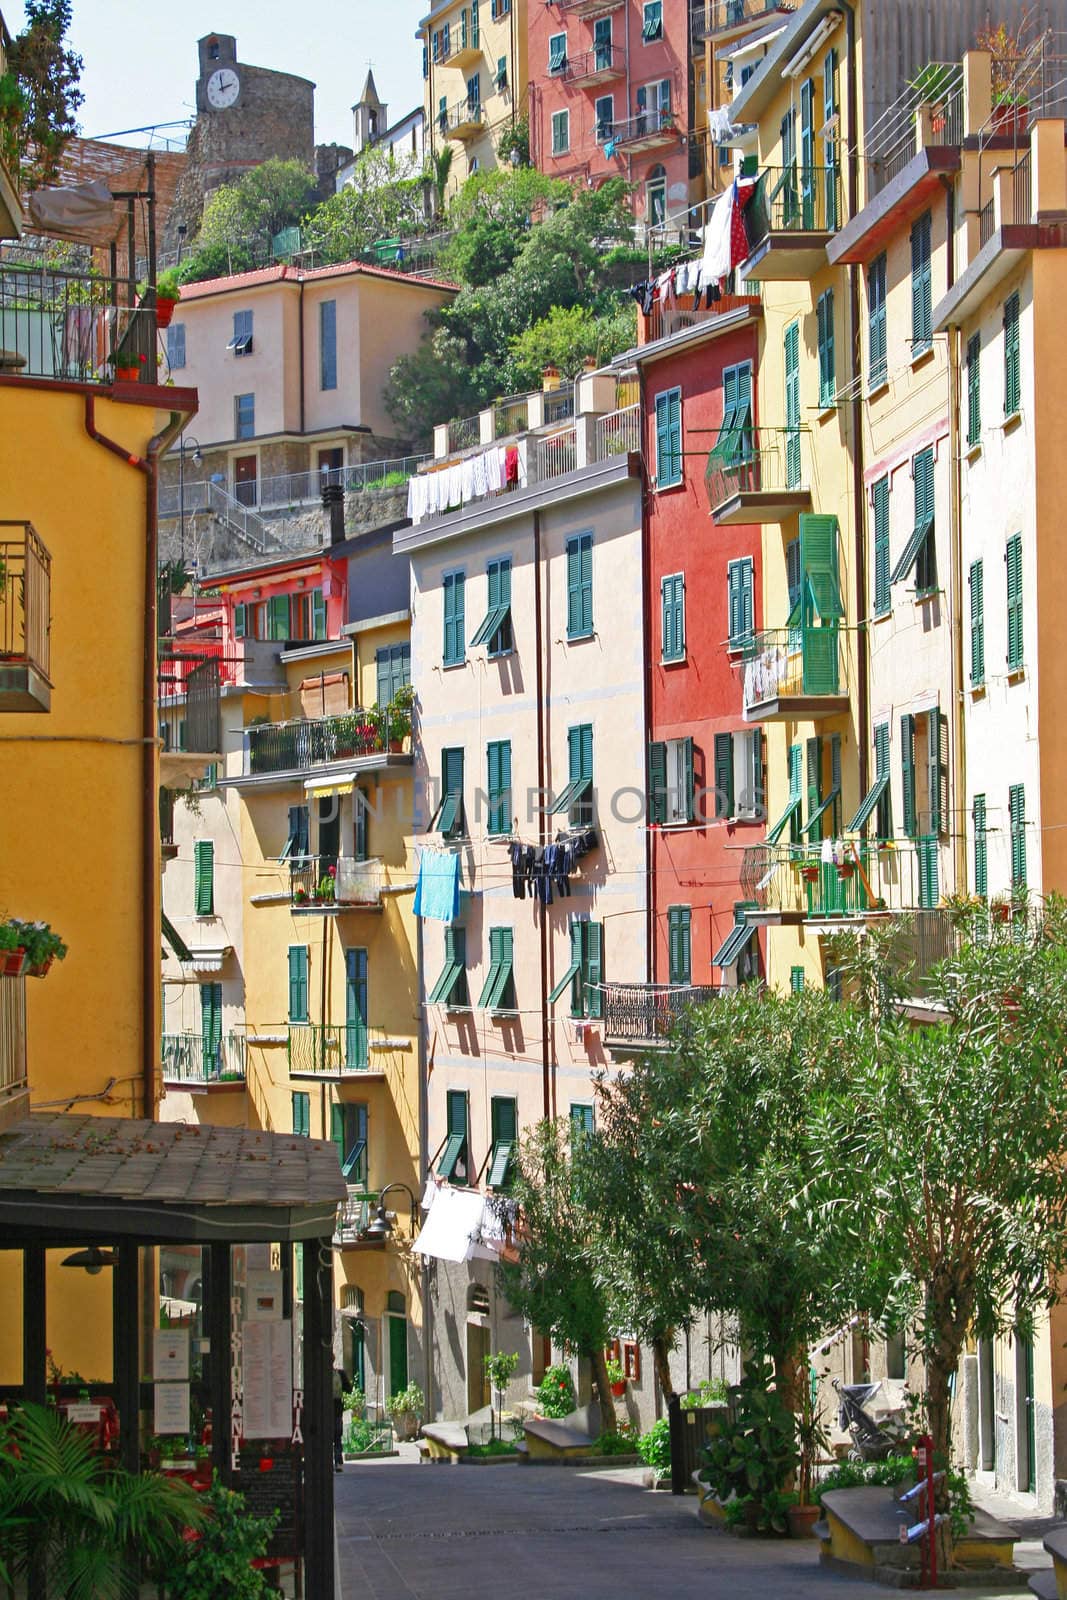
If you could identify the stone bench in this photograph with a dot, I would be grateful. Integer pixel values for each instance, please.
(860, 1532)
(445, 1441)
(547, 1440)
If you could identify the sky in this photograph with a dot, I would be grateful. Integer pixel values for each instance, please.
(141, 62)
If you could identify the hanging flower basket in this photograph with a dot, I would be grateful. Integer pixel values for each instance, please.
(12, 963)
(164, 311)
(809, 872)
(619, 1389)
(846, 869)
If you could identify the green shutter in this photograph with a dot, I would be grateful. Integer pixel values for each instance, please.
(503, 1119)
(580, 586)
(1012, 376)
(818, 562)
(974, 389)
(824, 311)
(668, 438)
(882, 768)
(735, 579)
(929, 893)
(830, 110)
(796, 979)
(672, 598)
(657, 781)
(792, 406)
(298, 983)
(449, 820)
(881, 547)
(1013, 560)
(301, 1112)
(1017, 824)
(278, 617)
(977, 625)
(211, 1028)
(582, 1121)
(451, 987)
(981, 849)
(498, 755)
(498, 991)
(688, 780)
(679, 945)
(813, 761)
(356, 1012)
(318, 614)
(455, 643)
(724, 776)
(877, 366)
(204, 877)
(921, 292)
(240, 622)
(593, 951)
(907, 770)
(796, 790)
(936, 738)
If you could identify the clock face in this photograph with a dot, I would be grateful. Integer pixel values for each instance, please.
(223, 87)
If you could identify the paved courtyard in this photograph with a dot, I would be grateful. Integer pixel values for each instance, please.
(411, 1532)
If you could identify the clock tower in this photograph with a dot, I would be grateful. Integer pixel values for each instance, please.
(219, 84)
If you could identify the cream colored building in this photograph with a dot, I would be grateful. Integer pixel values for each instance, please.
(474, 55)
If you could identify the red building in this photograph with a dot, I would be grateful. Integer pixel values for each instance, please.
(706, 765)
(611, 96)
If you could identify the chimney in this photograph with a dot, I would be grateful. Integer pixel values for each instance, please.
(333, 502)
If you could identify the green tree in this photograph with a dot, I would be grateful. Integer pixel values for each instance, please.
(40, 93)
(566, 338)
(382, 201)
(554, 1283)
(245, 216)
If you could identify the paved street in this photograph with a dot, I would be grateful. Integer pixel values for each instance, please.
(406, 1532)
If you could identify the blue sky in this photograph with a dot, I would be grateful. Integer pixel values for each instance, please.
(140, 55)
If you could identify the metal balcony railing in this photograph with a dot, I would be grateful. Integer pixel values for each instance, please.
(764, 459)
(816, 879)
(25, 598)
(654, 127)
(709, 18)
(603, 62)
(296, 746)
(558, 404)
(664, 320)
(557, 455)
(647, 1012)
(928, 112)
(12, 1036)
(795, 199)
(190, 703)
(464, 117)
(328, 1047)
(793, 662)
(325, 883)
(66, 324)
(355, 1215)
(618, 433)
(190, 1058)
(464, 433)
(511, 416)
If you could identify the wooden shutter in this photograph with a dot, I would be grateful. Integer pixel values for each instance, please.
(298, 983)
(688, 781)
(936, 740)
(907, 769)
(792, 406)
(1013, 560)
(928, 882)
(876, 324)
(735, 602)
(724, 775)
(796, 979)
(455, 633)
(578, 960)
(318, 614)
(503, 1120)
(593, 939)
(974, 389)
(356, 1010)
(679, 946)
(1017, 824)
(278, 617)
(818, 560)
(835, 783)
(240, 622)
(827, 363)
(211, 1027)
(921, 298)
(977, 625)
(301, 1112)
(981, 851)
(793, 576)
(814, 773)
(1012, 375)
(884, 818)
(204, 877)
(881, 547)
(657, 781)
(498, 757)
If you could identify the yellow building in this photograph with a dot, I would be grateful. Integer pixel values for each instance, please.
(474, 55)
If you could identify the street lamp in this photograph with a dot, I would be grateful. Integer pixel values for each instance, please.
(382, 1226)
(183, 444)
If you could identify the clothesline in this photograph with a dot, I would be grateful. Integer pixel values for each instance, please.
(726, 246)
(476, 477)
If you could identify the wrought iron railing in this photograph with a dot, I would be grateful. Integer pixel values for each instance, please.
(761, 460)
(192, 1058)
(603, 60)
(466, 114)
(805, 660)
(928, 112)
(355, 1215)
(646, 1012)
(322, 883)
(708, 18)
(328, 1047)
(25, 598)
(68, 325)
(190, 703)
(12, 1035)
(656, 124)
(296, 746)
(795, 199)
(618, 433)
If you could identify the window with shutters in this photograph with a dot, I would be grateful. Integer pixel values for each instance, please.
(669, 439)
(498, 991)
(907, 774)
(793, 466)
(298, 983)
(877, 801)
(831, 109)
(449, 820)
(1017, 831)
(920, 552)
(455, 640)
(877, 345)
(176, 346)
(1012, 373)
(211, 1028)
(504, 1132)
(824, 313)
(678, 794)
(823, 799)
(349, 1124)
(454, 1164)
(361, 806)
(451, 987)
(733, 444)
(393, 668)
(981, 847)
(577, 798)
(796, 770)
(328, 344)
(652, 21)
(297, 845)
(583, 1120)
(929, 891)
(740, 601)
(672, 603)
(796, 979)
(738, 776)
(244, 416)
(557, 52)
(604, 114)
(561, 132)
(880, 507)
(976, 585)
(1013, 562)
(302, 1112)
(974, 390)
(679, 945)
(580, 586)
(204, 877)
(498, 761)
(495, 629)
(241, 343)
(793, 576)
(584, 973)
(922, 316)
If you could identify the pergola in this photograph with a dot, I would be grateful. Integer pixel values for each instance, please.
(122, 1185)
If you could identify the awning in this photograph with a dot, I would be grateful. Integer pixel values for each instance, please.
(209, 960)
(85, 212)
(454, 1226)
(729, 951)
(338, 783)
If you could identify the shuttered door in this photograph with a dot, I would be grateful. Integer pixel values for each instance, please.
(881, 547)
(792, 406)
(724, 775)
(981, 850)
(907, 769)
(356, 1055)
(1012, 376)
(921, 293)
(1013, 561)
(1017, 824)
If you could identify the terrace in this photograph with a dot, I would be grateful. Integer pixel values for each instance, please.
(643, 1014)
(758, 475)
(792, 216)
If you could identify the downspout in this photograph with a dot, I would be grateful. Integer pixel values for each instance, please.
(148, 465)
(301, 353)
(542, 821)
(424, 1167)
(958, 750)
(859, 499)
(646, 690)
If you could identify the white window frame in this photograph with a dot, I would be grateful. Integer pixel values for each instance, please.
(747, 800)
(563, 118)
(554, 38)
(658, 38)
(677, 800)
(604, 99)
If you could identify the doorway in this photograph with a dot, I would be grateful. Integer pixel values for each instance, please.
(397, 1341)
(245, 480)
(478, 1347)
(987, 1422)
(331, 465)
(1025, 1420)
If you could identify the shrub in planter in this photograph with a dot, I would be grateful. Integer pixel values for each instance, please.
(407, 1409)
(755, 1452)
(41, 945)
(219, 1561)
(12, 949)
(654, 1447)
(555, 1393)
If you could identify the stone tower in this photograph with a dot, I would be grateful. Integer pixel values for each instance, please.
(370, 117)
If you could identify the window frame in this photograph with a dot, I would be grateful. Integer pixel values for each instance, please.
(579, 557)
(680, 934)
(667, 410)
(672, 618)
(176, 357)
(454, 649)
(242, 343)
(327, 345)
(244, 404)
(561, 132)
(652, 22)
(922, 312)
(877, 324)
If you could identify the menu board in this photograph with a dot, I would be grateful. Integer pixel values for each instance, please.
(170, 1355)
(267, 1371)
(171, 1407)
(276, 1490)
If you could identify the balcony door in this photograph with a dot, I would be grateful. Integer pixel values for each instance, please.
(355, 1009)
(245, 480)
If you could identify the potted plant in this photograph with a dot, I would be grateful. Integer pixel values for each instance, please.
(1001, 909)
(500, 1368)
(406, 1410)
(812, 1442)
(809, 871)
(616, 1378)
(326, 886)
(41, 945)
(846, 867)
(12, 950)
(300, 896)
(398, 716)
(168, 293)
(127, 365)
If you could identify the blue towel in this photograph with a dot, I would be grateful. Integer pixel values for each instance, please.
(437, 892)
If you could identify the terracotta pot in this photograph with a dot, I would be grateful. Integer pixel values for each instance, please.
(12, 962)
(1010, 119)
(810, 874)
(266, 1463)
(164, 311)
(846, 869)
(619, 1389)
(802, 1520)
(41, 968)
(127, 374)
(396, 747)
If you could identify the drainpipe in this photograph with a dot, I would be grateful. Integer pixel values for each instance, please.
(859, 499)
(301, 313)
(542, 820)
(646, 689)
(148, 465)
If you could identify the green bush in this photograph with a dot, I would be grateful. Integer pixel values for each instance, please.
(755, 1452)
(622, 1442)
(555, 1393)
(219, 1562)
(654, 1447)
(712, 1392)
(900, 1469)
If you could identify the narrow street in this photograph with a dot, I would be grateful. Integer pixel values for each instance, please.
(410, 1532)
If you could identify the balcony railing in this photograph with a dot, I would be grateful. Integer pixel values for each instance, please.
(328, 1047)
(793, 663)
(558, 404)
(599, 65)
(929, 112)
(795, 199)
(766, 462)
(664, 320)
(330, 883)
(190, 704)
(65, 325)
(463, 119)
(12, 1037)
(810, 880)
(645, 1013)
(190, 1058)
(618, 433)
(557, 455)
(296, 746)
(709, 18)
(355, 1215)
(464, 433)
(648, 130)
(510, 416)
(25, 619)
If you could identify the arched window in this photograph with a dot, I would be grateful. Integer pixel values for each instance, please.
(656, 197)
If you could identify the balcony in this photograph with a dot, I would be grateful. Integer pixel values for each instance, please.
(792, 883)
(14, 1084)
(190, 716)
(190, 1059)
(464, 51)
(588, 8)
(25, 619)
(327, 1049)
(719, 19)
(467, 120)
(648, 130)
(68, 325)
(331, 884)
(795, 674)
(669, 321)
(792, 216)
(605, 63)
(618, 433)
(307, 743)
(766, 477)
(644, 1014)
(354, 1217)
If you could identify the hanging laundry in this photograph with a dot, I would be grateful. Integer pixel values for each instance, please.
(437, 890)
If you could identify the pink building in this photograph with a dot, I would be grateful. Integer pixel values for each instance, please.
(610, 96)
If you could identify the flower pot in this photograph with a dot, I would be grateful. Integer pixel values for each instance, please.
(802, 1520)
(1001, 913)
(266, 1464)
(40, 969)
(12, 962)
(1010, 118)
(396, 747)
(846, 869)
(127, 374)
(164, 311)
(619, 1389)
(810, 874)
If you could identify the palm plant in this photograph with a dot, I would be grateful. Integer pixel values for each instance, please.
(66, 1509)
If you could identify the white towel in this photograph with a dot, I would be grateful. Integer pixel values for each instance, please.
(717, 263)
